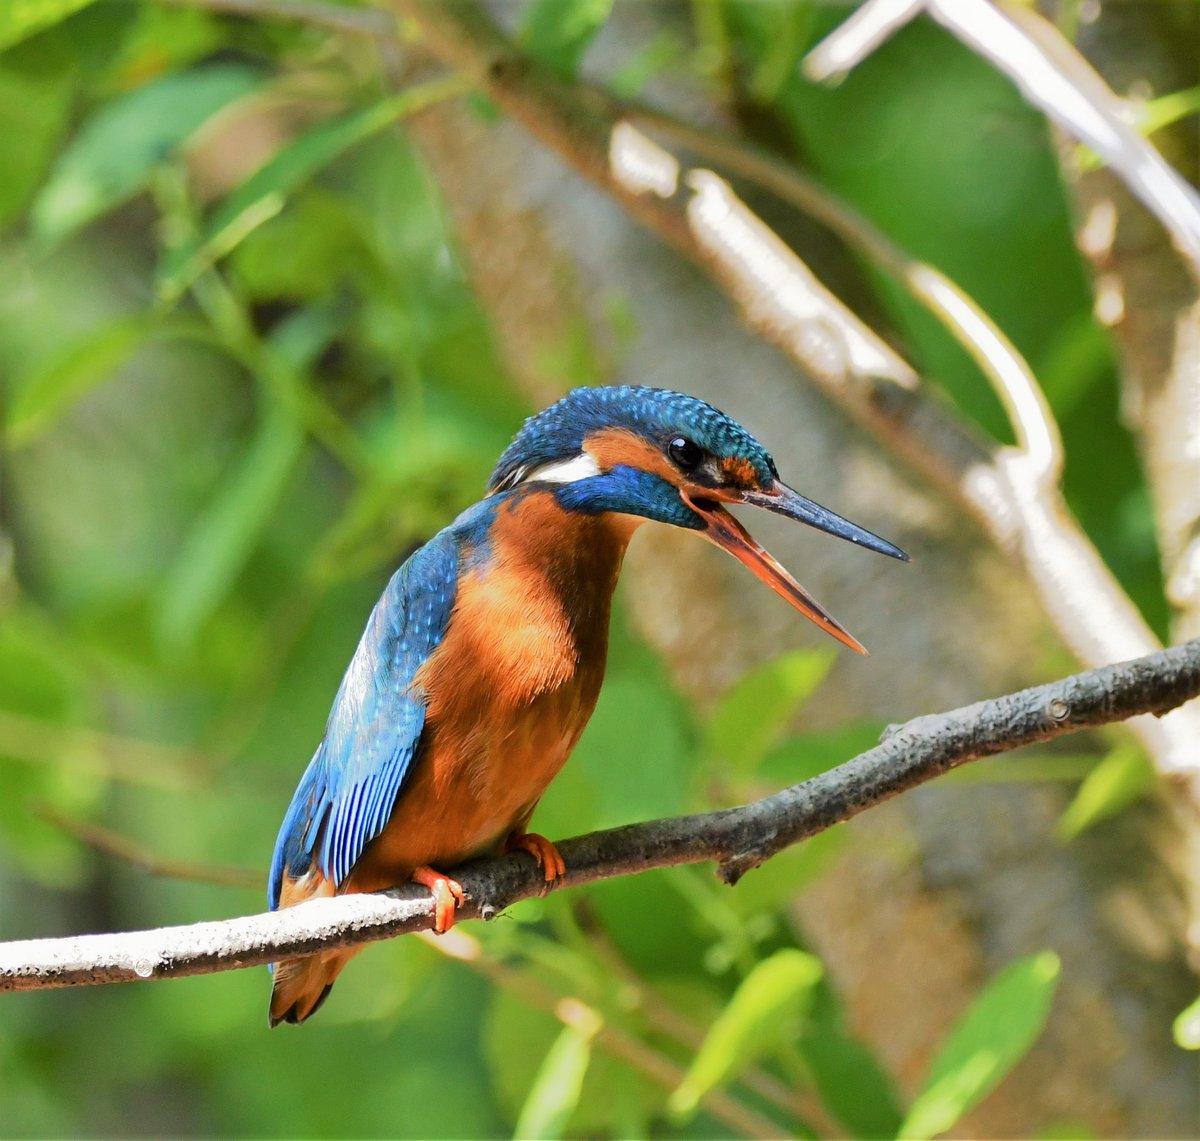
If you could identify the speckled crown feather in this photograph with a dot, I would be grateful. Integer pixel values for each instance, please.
(557, 433)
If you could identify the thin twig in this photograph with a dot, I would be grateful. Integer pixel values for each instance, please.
(113, 756)
(738, 839)
(109, 843)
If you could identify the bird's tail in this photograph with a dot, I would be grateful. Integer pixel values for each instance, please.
(301, 985)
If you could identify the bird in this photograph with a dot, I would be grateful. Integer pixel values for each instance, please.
(483, 659)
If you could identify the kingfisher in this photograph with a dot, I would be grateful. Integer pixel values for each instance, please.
(482, 661)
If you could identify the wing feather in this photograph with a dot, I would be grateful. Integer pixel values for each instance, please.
(374, 730)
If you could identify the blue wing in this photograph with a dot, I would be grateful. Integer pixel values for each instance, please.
(374, 730)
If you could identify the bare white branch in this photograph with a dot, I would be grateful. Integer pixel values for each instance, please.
(1052, 75)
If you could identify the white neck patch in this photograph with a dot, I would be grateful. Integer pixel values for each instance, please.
(582, 466)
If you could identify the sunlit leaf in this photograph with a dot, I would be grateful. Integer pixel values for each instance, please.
(751, 716)
(117, 149)
(518, 1038)
(994, 1034)
(265, 192)
(558, 32)
(1186, 1027)
(559, 1082)
(22, 18)
(766, 1010)
(1123, 776)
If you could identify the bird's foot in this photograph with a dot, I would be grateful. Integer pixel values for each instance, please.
(547, 855)
(447, 895)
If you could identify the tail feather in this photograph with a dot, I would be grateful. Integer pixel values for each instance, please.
(302, 985)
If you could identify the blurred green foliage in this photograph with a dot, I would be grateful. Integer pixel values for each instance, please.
(239, 384)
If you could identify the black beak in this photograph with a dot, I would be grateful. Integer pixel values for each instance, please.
(792, 505)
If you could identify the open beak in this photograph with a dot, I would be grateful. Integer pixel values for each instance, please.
(726, 532)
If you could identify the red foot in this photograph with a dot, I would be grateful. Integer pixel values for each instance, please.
(447, 895)
(541, 849)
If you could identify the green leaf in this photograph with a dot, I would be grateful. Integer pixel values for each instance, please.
(117, 149)
(265, 192)
(772, 885)
(226, 532)
(46, 686)
(20, 19)
(1186, 1027)
(37, 82)
(303, 254)
(791, 26)
(995, 1033)
(646, 62)
(518, 1039)
(852, 1084)
(50, 390)
(813, 752)
(1123, 776)
(559, 1082)
(766, 1010)
(558, 32)
(752, 715)
(161, 39)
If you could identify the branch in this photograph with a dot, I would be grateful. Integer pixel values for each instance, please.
(738, 839)
(1051, 74)
(1150, 303)
(109, 843)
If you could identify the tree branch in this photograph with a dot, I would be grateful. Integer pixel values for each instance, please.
(738, 839)
(1051, 74)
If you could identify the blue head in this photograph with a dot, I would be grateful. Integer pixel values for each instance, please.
(660, 455)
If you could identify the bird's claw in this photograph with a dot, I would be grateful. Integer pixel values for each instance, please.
(447, 895)
(548, 857)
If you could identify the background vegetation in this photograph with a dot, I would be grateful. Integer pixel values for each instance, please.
(246, 369)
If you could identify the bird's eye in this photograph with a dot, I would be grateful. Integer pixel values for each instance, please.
(685, 453)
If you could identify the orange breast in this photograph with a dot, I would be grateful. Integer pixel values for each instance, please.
(509, 690)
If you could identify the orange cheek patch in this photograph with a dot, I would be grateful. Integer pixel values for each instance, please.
(612, 446)
(739, 471)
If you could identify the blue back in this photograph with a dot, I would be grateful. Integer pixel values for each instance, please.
(374, 730)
